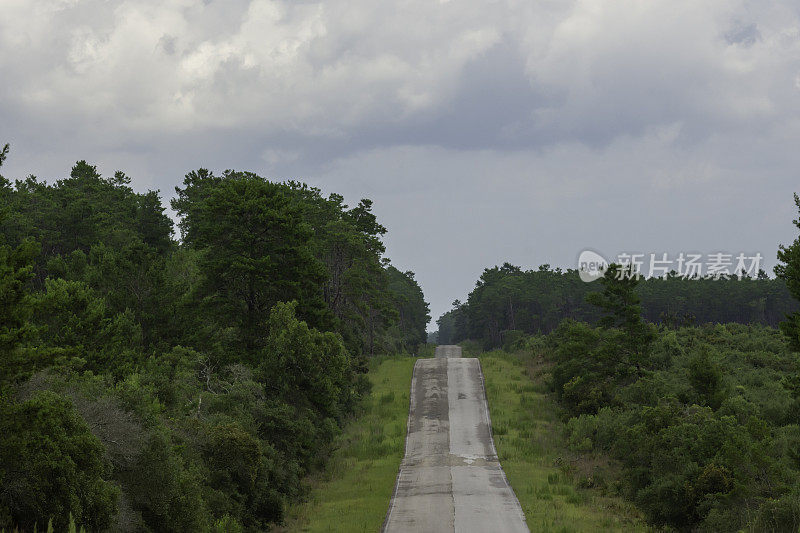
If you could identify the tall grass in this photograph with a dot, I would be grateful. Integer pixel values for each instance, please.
(72, 527)
(530, 442)
(354, 491)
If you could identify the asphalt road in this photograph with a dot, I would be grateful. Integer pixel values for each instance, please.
(450, 478)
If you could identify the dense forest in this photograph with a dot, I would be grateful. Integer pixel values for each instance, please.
(508, 301)
(155, 384)
(702, 420)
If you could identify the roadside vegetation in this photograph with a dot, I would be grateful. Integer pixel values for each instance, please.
(697, 425)
(559, 490)
(353, 492)
(150, 384)
(706, 432)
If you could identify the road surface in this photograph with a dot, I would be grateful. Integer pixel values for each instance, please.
(450, 479)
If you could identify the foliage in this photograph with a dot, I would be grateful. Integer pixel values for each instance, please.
(535, 456)
(154, 385)
(707, 434)
(353, 492)
(507, 298)
(16, 268)
(412, 309)
(254, 250)
(619, 305)
(702, 427)
(51, 465)
(703, 420)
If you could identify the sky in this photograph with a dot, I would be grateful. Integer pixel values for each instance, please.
(522, 131)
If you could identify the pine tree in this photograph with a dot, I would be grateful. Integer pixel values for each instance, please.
(620, 305)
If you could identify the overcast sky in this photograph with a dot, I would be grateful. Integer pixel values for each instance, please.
(485, 132)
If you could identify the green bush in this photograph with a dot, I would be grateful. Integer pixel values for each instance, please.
(581, 433)
(513, 339)
(701, 434)
(51, 466)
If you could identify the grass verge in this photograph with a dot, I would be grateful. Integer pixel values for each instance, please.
(545, 475)
(353, 492)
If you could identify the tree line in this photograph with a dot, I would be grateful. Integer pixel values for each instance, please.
(508, 302)
(149, 383)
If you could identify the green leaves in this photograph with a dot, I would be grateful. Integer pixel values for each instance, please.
(708, 438)
(215, 371)
(706, 378)
(3, 154)
(254, 251)
(81, 333)
(16, 269)
(260, 243)
(304, 367)
(507, 298)
(51, 465)
(413, 311)
(619, 304)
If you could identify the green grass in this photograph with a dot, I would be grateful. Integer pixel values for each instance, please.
(544, 474)
(353, 492)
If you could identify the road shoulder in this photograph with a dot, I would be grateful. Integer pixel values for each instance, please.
(528, 437)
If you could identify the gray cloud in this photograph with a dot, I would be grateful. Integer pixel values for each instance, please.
(519, 131)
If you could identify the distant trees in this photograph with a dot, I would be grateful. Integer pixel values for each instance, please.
(361, 287)
(507, 299)
(446, 325)
(154, 385)
(412, 309)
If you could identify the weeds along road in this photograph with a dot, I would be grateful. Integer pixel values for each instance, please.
(450, 478)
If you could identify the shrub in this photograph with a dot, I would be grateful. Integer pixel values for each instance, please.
(51, 466)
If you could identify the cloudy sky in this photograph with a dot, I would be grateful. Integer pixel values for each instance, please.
(520, 131)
